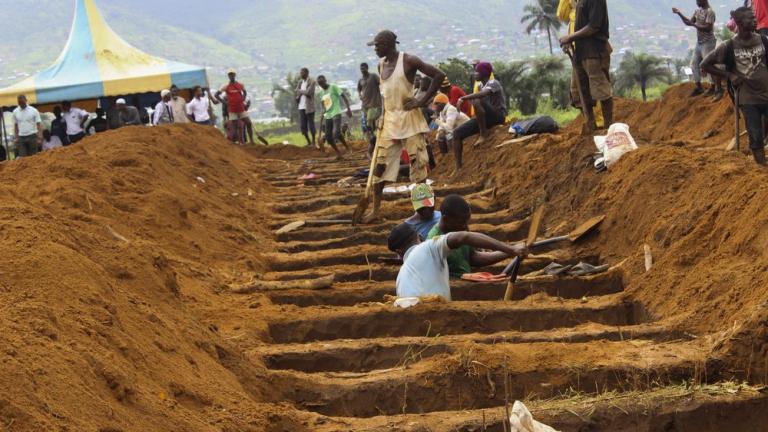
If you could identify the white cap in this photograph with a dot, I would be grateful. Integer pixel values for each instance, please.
(165, 93)
(120, 101)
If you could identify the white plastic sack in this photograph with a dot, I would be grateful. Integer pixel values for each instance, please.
(521, 420)
(407, 302)
(614, 145)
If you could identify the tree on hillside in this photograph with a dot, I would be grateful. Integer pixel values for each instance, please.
(458, 71)
(679, 64)
(512, 77)
(550, 73)
(285, 99)
(542, 15)
(640, 69)
(724, 34)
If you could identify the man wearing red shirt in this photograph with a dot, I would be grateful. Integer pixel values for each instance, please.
(761, 13)
(455, 93)
(235, 97)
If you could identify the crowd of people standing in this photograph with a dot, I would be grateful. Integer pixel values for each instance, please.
(70, 123)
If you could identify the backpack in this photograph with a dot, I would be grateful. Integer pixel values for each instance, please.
(730, 61)
(535, 125)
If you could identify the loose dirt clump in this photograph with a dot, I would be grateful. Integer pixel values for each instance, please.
(114, 251)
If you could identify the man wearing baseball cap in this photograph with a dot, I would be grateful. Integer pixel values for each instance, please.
(423, 200)
(455, 93)
(237, 106)
(402, 126)
(127, 115)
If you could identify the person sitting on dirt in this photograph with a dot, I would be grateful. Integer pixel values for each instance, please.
(490, 107)
(746, 67)
(703, 20)
(425, 268)
(423, 199)
(455, 217)
(448, 119)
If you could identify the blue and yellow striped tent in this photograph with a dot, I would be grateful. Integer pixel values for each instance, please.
(97, 63)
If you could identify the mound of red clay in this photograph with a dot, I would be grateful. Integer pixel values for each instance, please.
(111, 250)
(700, 209)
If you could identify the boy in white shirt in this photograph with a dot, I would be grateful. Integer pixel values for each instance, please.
(425, 268)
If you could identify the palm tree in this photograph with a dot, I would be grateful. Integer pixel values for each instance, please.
(640, 69)
(542, 15)
(548, 71)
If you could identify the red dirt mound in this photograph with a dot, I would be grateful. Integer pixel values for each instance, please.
(700, 209)
(111, 250)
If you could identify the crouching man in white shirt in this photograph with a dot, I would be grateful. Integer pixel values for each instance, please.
(425, 267)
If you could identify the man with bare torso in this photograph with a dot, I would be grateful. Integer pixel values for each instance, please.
(403, 125)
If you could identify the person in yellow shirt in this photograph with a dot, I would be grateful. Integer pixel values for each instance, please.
(566, 12)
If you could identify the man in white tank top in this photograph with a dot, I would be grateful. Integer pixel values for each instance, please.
(402, 126)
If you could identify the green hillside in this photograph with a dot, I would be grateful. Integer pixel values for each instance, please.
(267, 38)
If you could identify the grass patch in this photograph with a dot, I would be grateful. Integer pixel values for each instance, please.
(291, 138)
(546, 108)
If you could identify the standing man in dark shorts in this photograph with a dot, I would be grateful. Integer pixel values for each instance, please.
(305, 97)
(331, 97)
(490, 106)
(592, 55)
(370, 94)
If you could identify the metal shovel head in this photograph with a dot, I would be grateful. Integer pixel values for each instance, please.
(586, 228)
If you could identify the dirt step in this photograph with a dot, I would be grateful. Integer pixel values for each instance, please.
(385, 272)
(709, 408)
(377, 235)
(563, 287)
(451, 318)
(474, 377)
(307, 204)
(483, 213)
(361, 255)
(331, 233)
(311, 182)
(470, 192)
(365, 355)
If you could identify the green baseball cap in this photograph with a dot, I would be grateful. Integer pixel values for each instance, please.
(422, 196)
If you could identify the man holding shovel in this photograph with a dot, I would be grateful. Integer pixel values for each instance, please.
(592, 59)
(403, 125)
(746, 68)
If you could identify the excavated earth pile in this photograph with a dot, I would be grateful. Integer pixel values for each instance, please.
(137, 296)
